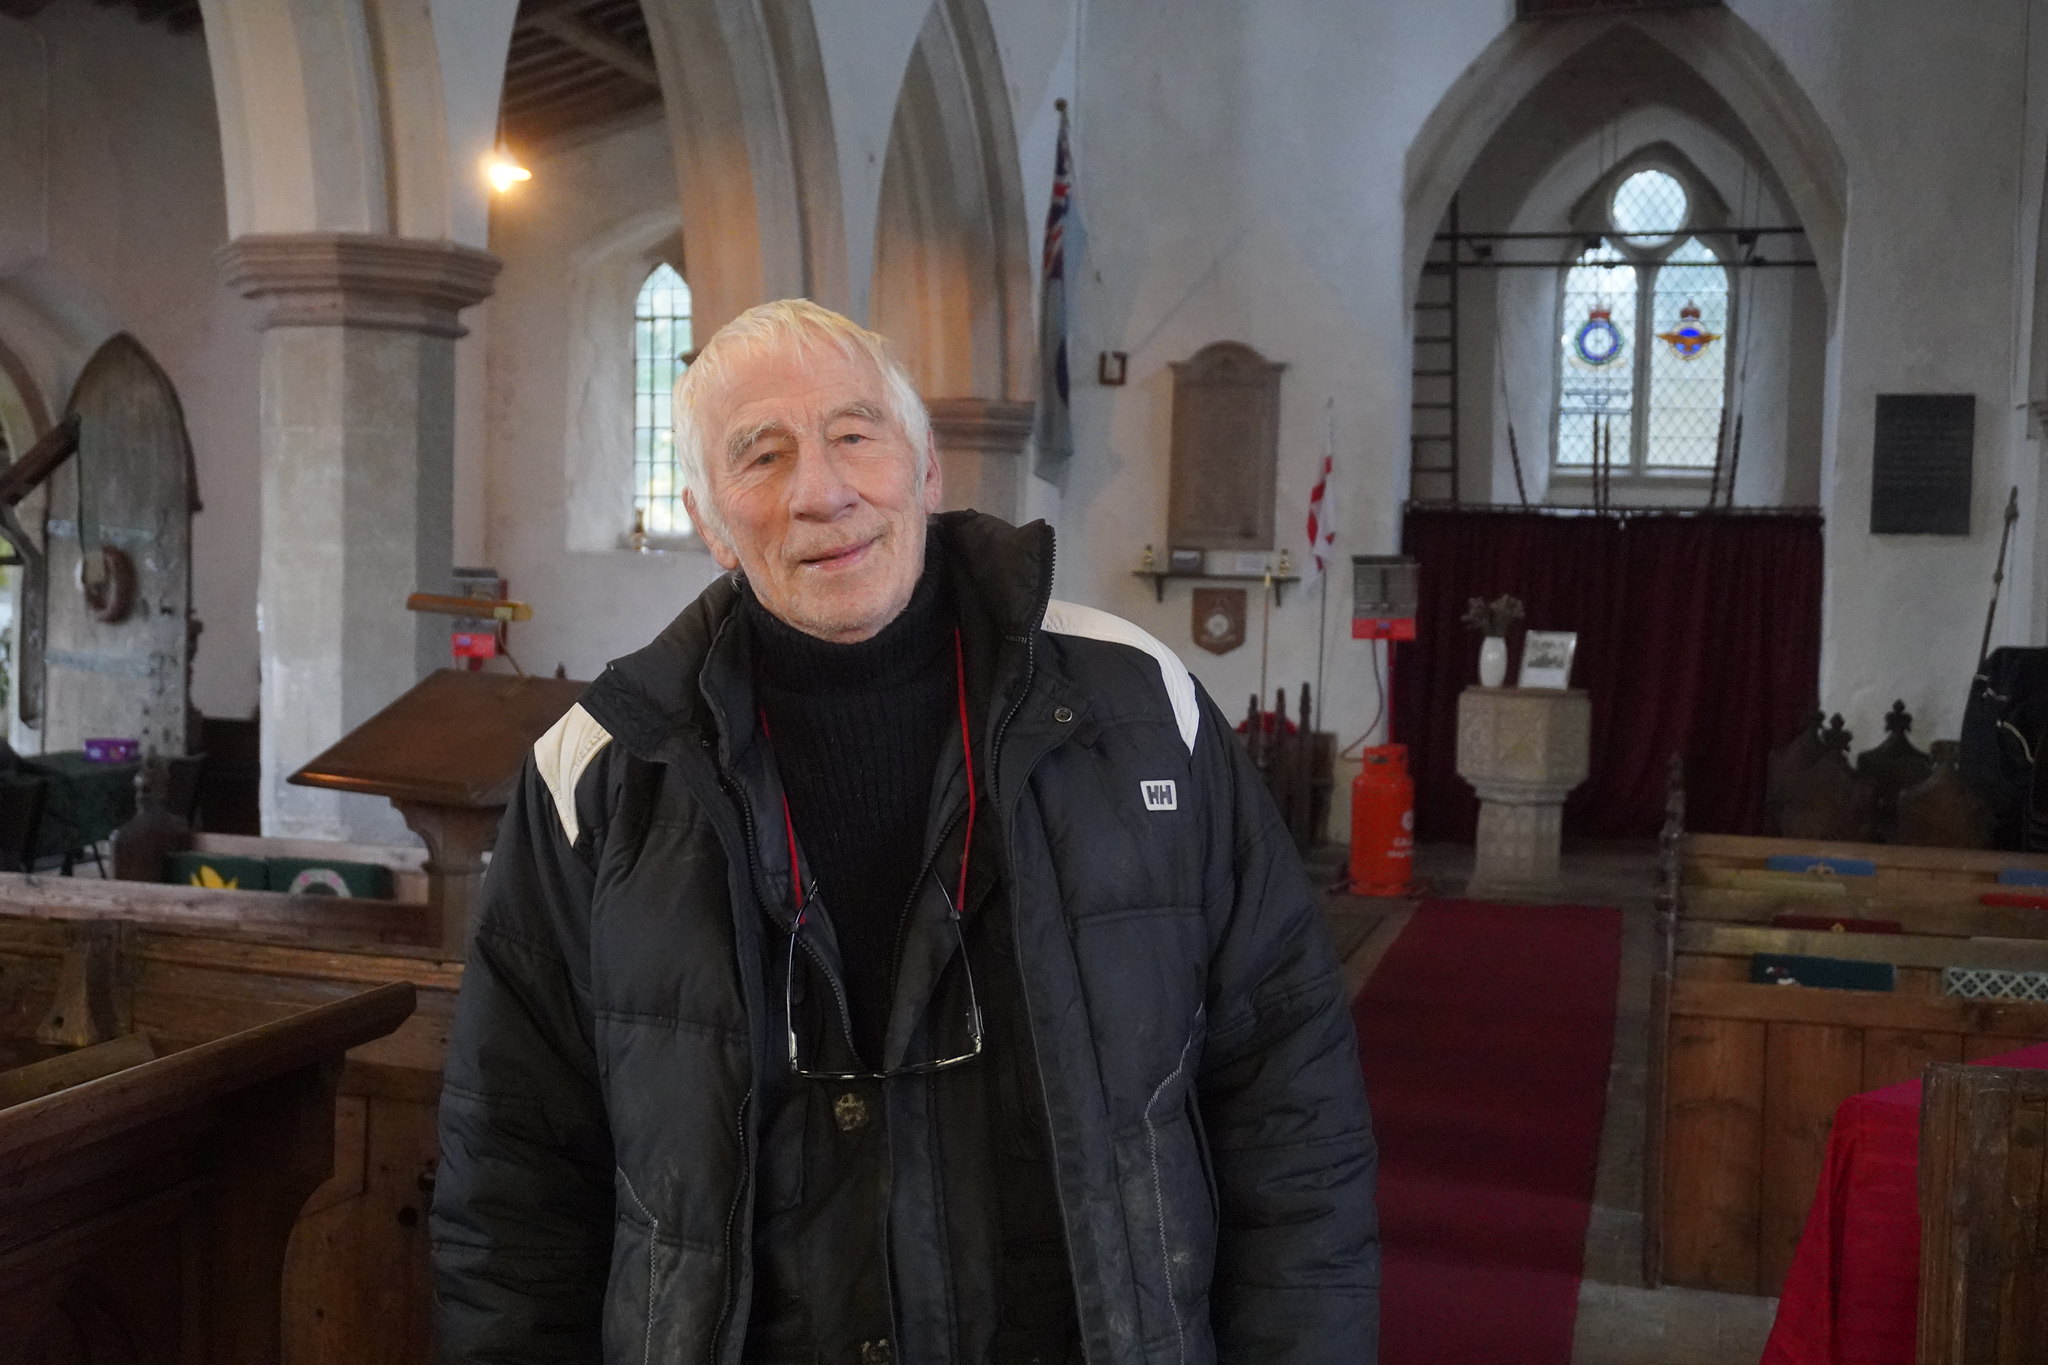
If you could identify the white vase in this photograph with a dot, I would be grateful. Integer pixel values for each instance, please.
(1493, 661)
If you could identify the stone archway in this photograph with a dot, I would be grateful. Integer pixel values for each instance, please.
(352, 135)
(1716, 44)
(952, 280)
(743, 88)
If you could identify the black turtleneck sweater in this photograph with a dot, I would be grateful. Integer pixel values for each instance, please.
(857, 731)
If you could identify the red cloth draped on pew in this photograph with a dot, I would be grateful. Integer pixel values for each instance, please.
(1852, 1296)
(1698, 635)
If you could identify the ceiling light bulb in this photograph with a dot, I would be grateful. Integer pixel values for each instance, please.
(503, 172)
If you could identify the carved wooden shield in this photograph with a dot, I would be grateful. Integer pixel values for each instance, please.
(118, 534)
(1219, 619)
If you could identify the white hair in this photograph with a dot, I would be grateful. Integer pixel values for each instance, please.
(768, 327)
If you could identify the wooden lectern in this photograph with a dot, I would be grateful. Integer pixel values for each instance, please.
(447, 754)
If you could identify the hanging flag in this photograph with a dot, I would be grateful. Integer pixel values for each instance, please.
(1321, 533)
(1052, 432)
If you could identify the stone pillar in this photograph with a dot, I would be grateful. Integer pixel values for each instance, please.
(1523, 750)
(981, 442)
(358, 409)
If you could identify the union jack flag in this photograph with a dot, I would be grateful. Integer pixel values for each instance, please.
(1053, 430)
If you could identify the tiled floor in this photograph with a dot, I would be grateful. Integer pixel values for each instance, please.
(1620, 1322)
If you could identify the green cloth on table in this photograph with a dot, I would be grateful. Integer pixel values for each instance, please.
(83, 801)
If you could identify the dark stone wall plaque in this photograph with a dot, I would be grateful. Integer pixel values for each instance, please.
(1226, 441)
(1920, 469)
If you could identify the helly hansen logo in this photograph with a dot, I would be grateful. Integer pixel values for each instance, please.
(1159, 796)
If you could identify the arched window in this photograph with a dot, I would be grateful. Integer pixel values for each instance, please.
(661, 347)
(1642, 346)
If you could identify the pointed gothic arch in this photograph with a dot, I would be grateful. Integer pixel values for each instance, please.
(1715, 44)
(951, 284)
(952, 276)
(744, 94)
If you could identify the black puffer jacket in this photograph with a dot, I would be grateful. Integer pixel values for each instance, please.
(599, 1125)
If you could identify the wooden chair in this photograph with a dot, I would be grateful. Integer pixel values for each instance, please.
(21, 818)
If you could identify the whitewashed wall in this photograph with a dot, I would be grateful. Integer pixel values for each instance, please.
(1240, 174)
(1242, 167)
(575, 242)
(111, 209)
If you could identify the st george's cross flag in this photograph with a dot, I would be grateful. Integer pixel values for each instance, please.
(1052, 432)
(1321, 533)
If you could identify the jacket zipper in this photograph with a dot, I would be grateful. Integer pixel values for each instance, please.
(739, 1195)
(732, 1218)
(931, 859)
(1018, 940)
(838, 992)
(1031, 630)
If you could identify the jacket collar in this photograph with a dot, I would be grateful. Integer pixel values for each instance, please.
(689, 685)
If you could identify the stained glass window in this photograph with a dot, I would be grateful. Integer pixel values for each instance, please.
(1649, 207)
(661, 338)
(1642, 345)
(1597, 382)
(1688, 375)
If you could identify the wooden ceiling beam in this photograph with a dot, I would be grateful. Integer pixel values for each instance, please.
(573, 32)
(556, 85)
(540, 129)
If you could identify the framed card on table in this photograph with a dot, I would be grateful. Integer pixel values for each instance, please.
(1547, 658)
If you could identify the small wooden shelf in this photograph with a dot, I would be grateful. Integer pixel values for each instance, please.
(1159, 577)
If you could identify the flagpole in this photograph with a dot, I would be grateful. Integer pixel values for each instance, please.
(1265, 633)
(1322, 634)
(1315, 548)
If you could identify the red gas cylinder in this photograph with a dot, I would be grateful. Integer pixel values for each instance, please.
(1383, 823)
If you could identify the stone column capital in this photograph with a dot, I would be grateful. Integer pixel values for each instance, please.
(359, 279)
(995, 425)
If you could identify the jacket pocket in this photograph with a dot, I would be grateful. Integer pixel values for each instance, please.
(1171, 1210)
(665, 1295)
(629, 1294)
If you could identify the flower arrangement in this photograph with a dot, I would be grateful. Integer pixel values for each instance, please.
(1495, 617)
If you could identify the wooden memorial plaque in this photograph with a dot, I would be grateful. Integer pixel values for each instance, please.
(1226, 438)
(1920, 469)
(447, 754)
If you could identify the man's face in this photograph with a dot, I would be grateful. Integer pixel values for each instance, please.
(818, 487)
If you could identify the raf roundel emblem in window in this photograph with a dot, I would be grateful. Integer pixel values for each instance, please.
(1159, 796)
(1598, 341)
(1689, 338)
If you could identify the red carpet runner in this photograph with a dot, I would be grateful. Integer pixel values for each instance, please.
(1486, 1035)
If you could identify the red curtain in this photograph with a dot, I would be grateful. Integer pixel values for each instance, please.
(1698, 635)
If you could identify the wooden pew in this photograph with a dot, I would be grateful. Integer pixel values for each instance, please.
(1984, 1216)
(356, 1275)
(151, 1207)
(1747, 1077)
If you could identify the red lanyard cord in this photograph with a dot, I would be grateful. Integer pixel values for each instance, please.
(967, 750)
(796, 890)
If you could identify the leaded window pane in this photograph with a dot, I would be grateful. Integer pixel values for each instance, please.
(1596, 359)
(661, 338)
(1649, 207)
(1688, 364)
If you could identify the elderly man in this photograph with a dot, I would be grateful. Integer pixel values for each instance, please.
(890, 963)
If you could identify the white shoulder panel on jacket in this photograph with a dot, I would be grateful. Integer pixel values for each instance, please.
(562, 754)
(1070, 618)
